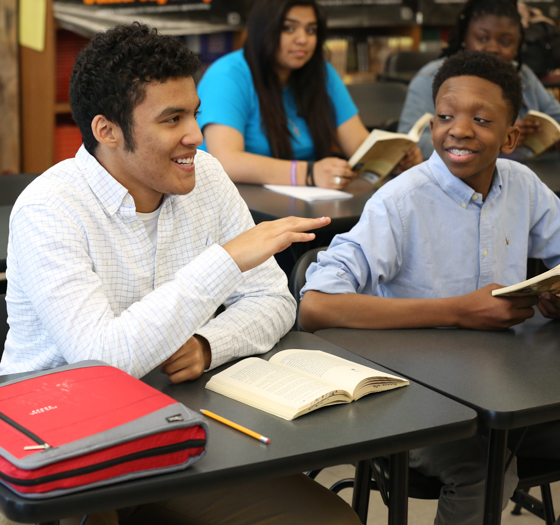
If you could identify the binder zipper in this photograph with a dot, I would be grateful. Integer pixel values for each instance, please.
(160, 451)
(41, 445)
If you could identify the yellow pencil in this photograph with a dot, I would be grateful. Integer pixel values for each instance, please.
(231, 424)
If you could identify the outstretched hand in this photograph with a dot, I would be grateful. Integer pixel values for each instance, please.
(479, 310)
(549, 305)
(261, 242)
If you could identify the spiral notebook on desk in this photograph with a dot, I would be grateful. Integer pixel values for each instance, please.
(309, 193)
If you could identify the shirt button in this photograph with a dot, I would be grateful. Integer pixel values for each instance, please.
(474, 197)
(485, 253)
(135, 224)
(112, 209)
(464, 205)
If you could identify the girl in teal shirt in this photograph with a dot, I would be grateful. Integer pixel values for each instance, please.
(272, 112)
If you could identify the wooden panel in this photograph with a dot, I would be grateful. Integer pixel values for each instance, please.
(37, 101)
(9, 89)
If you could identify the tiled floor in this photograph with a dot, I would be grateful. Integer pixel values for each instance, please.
(422, 512)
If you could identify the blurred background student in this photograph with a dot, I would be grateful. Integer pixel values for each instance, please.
(493, 26)
(274, 112)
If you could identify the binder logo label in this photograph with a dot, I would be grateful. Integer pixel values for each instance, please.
(41, 410)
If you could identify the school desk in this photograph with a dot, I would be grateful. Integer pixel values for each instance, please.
(266, 205)
(388, 423)
(509, 377)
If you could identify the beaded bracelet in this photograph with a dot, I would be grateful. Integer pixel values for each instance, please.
(293, 172)
(309, 180)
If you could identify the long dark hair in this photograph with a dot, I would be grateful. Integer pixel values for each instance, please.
(308, 83)
(477, 8)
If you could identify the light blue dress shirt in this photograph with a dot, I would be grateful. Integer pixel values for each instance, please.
(419, 101)
(427, 234)
(228, 97)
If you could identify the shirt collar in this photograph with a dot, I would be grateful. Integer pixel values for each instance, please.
(454, 187)
(107, 189)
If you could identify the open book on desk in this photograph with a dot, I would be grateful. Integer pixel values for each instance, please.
(545, 282)
(381, 151)
(546, 137)
(295, 382)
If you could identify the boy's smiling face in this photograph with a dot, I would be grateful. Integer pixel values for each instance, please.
(471, 126)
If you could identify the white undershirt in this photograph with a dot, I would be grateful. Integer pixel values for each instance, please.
(150, 221)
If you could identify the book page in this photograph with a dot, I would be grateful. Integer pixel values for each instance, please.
(545, 282)
(382, 150)
(383, 156)
(340, 373)
(275, 389)
(375, 136)
(418, 128)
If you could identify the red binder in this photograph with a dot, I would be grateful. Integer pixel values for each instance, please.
(90, 424)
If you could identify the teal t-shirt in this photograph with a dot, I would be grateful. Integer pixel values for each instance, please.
(228, 97)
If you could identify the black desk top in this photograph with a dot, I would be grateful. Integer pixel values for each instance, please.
(510, 377)
(266, 205)
(378, 424)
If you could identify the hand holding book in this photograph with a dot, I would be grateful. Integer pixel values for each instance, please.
(546, 286)
(545, 282)
(549, 305)
(382, 150)
(547, 135)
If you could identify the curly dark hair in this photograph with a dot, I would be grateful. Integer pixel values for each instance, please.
(474, 9)
(488, 67)
(110, 76)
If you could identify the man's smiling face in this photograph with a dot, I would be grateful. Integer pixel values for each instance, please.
(471, 126)
(166, 136)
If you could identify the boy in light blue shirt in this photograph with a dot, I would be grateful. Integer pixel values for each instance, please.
(432, 244)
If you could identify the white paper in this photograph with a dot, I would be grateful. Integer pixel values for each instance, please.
(309, 193)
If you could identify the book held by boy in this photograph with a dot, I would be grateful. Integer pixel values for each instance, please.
(295, 382)
(381, 151)
(546, 137)
(545, 282)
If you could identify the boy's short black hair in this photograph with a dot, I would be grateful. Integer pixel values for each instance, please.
(486, 66)
(111, 73)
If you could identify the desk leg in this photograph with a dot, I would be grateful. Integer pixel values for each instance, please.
(398, 489)
(360, 497)
(495, 477)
